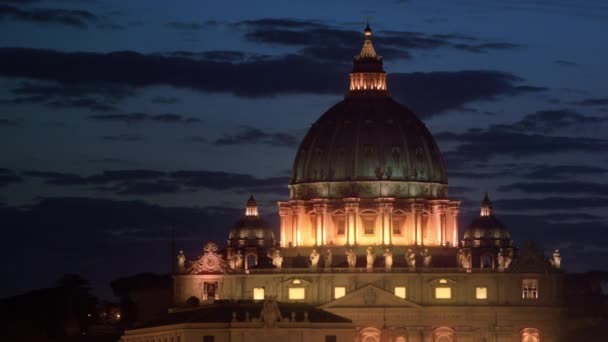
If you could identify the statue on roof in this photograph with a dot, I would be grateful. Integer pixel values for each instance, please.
(277, 259)
(426, 257)
(270, 314)
(556, 259)
(410, 257)
(181, 262)
(314, 258)
(328, 258)
(388, 259)
(351, 258)
(370, 257)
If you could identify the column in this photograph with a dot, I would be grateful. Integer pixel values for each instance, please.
(351, 207)
(442, 224)
(284, 214)
(386, 216)
(417, 209)
(320, 209)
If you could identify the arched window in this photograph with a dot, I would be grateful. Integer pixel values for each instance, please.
(530, 335)
(370, 335)
(443, 334)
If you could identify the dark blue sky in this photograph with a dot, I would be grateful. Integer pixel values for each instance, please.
(120, 119)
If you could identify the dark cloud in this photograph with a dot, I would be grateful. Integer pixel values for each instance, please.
(73, 18)
(570, 187)
(563, 171)
(546, 121)
(165, 100)
(483, 144)
(551, 203)
(142, 117)
(426, 93)
(8, 177)
(594, 102)
(95, 96)
(565, 63)
(330, 42)
(190, 26)
(250, 135)
(122, 138)
(9, 122)
(146, 182)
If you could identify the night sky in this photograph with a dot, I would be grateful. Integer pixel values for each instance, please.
(120, 120)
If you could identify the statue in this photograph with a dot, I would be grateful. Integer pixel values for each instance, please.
(270, 314)
(351, 258)
(464, 259)
(388, 259)
(314, 258)
(557, 259)
(410, 257)
(426, 258)
(508, 257)
(236, 262)
(328, 258)
(501, 260)
(370, 257)
(181, 262)
(277, 259)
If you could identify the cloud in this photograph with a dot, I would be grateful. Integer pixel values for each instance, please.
(72, 18)
(546, 121)
(146, 182)
(8, 177)
(188, 26)
(250, 135)
(594, 102)
(483, 144)
(142, 117)
(95, 96)
(551, 203)
(9, 122)
(565, 63)
(164, 100)
(570, 187)
(122, 138)
(563, 171)
(426, 93)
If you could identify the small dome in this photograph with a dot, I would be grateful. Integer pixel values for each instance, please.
(486, 230)
(251, 230)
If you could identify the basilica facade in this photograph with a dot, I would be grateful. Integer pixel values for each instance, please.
(369, 248)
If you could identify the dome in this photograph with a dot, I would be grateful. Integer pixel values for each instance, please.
(486, 230)
(251, 230)
(366, 138)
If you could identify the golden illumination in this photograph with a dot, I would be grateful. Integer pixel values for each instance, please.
(443, 281)
(443, 292)
(296, 282)
(400, 292)
(481, 293)
(339, 292)
(297, 293)
(258, 293)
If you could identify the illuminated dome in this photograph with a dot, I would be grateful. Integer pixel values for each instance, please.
(251, 230)
(486, 230)
(365, 138)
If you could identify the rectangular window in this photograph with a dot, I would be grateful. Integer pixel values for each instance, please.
(340, 225)
(339, 292)
(297, 293)
(481, 293)
(258, 293)
(443, 292)
(368, 226)
(529, 289)
(397, 223)
(208, 338)
(400, 292)
(331, 338)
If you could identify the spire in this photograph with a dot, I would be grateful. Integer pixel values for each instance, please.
(252, 207)
(368, 75)
(486, 206)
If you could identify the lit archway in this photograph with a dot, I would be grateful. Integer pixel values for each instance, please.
(530, 335)
(370, 334)
(443, 334)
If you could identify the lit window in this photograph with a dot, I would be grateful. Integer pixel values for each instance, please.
(339, 292)
(258, 293)
(396, 226)
(368, 226)
(481, 293)
(296, 282)
(400, 292)
(530, 335)
(340, 225)
(529, 289)
(443, 292)
(443, 281)
(297, 293)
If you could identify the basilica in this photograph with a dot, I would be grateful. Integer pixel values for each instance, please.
(369, 248)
